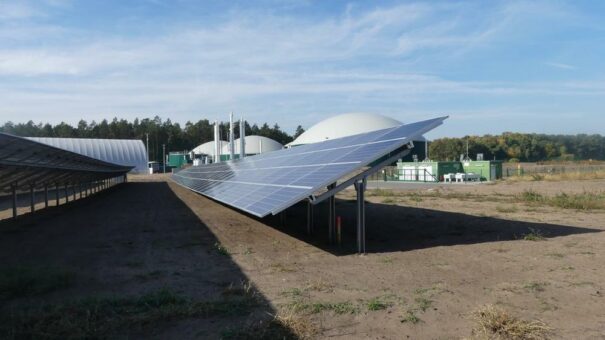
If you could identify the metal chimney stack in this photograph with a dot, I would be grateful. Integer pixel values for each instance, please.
(242, 138)
(231, 137)
(217, 148)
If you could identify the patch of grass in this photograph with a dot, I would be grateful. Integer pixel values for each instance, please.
(104, 317)
(584, 201)
(340, 308)
(531, 196)
(245, 288)
(556, 255)
(509, 209)
(415, 197)
(283, 268)
(411, 317)
(495, 323)
(388, 201)
(535, 286)
(294, 293)
(534, 235)
(377, 303)
(24, 281)
(221, 249)
(423, 303)
(386, 259)
(247, 251)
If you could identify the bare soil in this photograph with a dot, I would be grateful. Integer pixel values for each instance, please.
(435, 255)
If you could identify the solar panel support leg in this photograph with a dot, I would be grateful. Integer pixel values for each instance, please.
(73, 189)
(31, 198)
(332, 215)
(14, 189)
(282, 219)
(45, 195)
(309, 218)
(66, 194)
(361, 218)
(57, 193)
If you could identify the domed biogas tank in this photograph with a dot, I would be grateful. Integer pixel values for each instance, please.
(345, 125)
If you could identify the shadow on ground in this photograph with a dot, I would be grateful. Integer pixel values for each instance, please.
(391, 228)
(142, 255)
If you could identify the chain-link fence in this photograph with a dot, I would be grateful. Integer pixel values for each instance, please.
(530, 169)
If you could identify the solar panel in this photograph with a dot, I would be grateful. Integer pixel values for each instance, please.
(269, 183)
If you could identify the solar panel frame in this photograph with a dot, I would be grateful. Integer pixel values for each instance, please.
(264, 175)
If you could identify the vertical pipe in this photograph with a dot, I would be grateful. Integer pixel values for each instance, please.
(66, 194)
(14, 189)
(31, 197)
(242, 138)
(73, 190)
(164, 156)
(46, 195)
(231, 137)
(57, 194)
(217, 151)
(260, 146)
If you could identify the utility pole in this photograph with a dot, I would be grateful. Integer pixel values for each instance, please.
(164, 155)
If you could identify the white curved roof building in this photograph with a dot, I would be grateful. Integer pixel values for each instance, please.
(129, 152)
(345, 125)
(208, 148)
(254, 145)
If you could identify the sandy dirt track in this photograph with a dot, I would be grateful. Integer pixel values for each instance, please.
(436, 256)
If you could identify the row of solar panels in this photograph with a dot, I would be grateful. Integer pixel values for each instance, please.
(270, 183)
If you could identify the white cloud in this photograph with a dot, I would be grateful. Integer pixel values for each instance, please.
(561, 66)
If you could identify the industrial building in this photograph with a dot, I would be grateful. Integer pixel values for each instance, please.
(431, 171)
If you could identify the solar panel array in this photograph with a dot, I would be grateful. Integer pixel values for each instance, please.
(271, 182)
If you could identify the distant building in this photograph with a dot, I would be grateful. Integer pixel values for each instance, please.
(130, 152)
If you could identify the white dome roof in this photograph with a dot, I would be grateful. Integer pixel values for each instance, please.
(253, 145)
(130, 152)
(208, 148)
(343, 125)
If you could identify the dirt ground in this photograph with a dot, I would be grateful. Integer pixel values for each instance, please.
(435, 254)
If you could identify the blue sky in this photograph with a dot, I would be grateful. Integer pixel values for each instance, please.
(527, 66)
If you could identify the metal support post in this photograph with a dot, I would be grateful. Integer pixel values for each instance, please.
(332, 215)
(73, 190)
(14, 189)
(31, 198)
(361, 218)
(282, 219)
(57, 193)
(309, 218)
(45, 195)
(66, 194)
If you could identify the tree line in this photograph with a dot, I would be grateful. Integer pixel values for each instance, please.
(508, 146)
(159, 132)
(523, 147)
